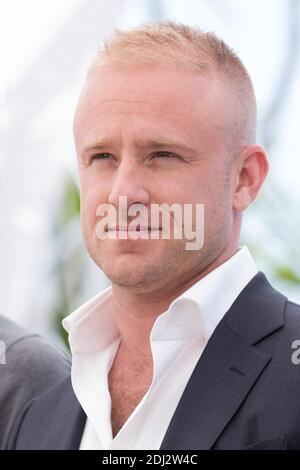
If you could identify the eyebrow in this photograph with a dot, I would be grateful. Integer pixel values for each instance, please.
(150, 143)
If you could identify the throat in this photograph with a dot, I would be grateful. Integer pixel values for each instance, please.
(128, 382)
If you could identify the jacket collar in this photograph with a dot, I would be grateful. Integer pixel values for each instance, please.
(227, 369)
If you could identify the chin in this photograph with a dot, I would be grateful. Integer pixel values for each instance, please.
(127, 277)
(131, 271)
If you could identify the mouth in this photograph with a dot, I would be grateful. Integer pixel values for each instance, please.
(127, 229)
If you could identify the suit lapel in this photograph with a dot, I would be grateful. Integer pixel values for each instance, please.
(55, 420)
(227, 369)
(67, 422)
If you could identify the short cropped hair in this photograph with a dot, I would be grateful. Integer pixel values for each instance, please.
(166, 42)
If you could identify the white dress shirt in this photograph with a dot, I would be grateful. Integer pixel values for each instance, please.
(178, 338)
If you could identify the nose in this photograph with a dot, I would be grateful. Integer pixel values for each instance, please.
(129, 181)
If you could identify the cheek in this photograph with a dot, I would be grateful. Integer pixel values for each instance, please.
(180, 188)
(218, 211)
(91, 197)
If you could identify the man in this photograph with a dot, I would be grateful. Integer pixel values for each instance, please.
(28, 367)
(188, 348)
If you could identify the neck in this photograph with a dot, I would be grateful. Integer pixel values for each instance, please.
(136, 312)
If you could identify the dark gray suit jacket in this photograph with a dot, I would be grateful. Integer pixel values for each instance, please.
(29, 366)
(244, 392)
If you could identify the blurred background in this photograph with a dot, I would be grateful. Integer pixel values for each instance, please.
(45, 49)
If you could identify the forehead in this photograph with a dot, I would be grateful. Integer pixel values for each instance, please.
(154, 95)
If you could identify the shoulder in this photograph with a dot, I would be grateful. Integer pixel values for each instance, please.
(293, 310)
(29, 352)
(292, 318)
(29, 366)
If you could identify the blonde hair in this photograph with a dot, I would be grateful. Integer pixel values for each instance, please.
(168, 42)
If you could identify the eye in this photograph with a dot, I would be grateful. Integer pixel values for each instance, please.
(102, 156)
(164, 154)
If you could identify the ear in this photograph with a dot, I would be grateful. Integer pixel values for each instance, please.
(252, 169)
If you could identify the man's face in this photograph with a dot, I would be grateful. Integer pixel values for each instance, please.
(156, 135)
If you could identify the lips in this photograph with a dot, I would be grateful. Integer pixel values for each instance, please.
(126, 228)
